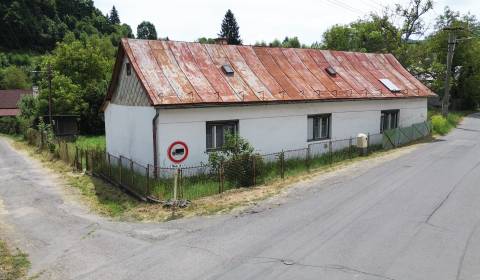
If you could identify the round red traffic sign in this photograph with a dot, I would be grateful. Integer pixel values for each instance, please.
(177, 152)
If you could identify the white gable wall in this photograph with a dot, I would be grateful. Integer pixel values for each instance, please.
(273, 128)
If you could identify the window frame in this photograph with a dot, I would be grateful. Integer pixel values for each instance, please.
(209, 124)
(389, 112)
(329, 127)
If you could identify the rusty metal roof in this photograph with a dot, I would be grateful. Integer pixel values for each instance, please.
(9, 98)
(174, 73)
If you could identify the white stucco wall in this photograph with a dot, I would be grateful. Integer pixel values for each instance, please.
(128, 132)
(272, 128)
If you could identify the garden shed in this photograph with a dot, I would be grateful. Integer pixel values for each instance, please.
(171, 103)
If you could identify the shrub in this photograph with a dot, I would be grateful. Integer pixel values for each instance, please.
(9, 125)
(236, 157)
(442, 125)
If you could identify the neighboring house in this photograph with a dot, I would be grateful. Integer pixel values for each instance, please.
(9, 99)
(163, 92)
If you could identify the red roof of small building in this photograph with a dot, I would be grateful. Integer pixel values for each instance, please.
(9, 101)
(174, 73)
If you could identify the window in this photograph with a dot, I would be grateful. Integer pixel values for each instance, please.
(128, 68)
(388, 120)
(390, 85)
(319, 127)
(216, 132)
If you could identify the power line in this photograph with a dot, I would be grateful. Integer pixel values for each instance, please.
(344, 6)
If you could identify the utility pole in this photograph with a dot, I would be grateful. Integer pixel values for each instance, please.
(452, 41)
(49, 74)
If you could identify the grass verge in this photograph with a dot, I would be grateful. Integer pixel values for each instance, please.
(443, 125)
(13, 265)
(109, 201)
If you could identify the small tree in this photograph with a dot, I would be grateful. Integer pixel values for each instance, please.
(146, 30)
(230, 29)
(236, 157)
(114, 18)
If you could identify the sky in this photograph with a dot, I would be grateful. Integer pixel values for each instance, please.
(259, 20)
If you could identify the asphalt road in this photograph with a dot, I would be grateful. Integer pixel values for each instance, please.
(414, 217)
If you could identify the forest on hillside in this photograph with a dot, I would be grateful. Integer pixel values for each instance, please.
(79, 43)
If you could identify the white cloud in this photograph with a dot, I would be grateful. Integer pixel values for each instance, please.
(258, 19)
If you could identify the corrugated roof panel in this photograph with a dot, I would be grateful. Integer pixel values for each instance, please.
(377, 74)
(150, 73)
(222, 89)
(289, 90)
(190, 73)
(421, 88)
(255, 84)
(303, 71)
(385, 69)
(304, 89)
(399, 79)
(349, 66)
(261, 72)
(343, 86)
(375, 86)
(173, 73)
(317, 71)
(354, 86)
(241, 89)
(189, 67)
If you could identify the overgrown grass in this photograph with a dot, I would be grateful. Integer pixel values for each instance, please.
(442, 125)
(91, 142)
(13, 265)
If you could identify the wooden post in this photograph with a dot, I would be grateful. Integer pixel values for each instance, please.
(307, 162)
(147, 170)
(330, 151)
(109, 166)
(350, 150)
(254, 171)
(120, 168)
(76, 157)
(282, 165)
(220, 178)
(131, 172)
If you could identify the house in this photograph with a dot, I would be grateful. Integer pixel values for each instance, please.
(172, 102)
(9, 99)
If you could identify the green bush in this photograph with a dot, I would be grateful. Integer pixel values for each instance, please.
(442, 125)
(9, 125)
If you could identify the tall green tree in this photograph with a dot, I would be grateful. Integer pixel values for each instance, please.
(146, 30)
(13, 77)
(375, 34)
(114, 18)
(230, 29)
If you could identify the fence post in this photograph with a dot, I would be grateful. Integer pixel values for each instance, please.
(147, 190)
(220, 177)
(67, 156)
(76, 157)
(120, 169)
(131, 172)
(282, 164)
(86, 160)
(368, 143)
(254, 171)
(307, 160)
(330, 151)
(350, 150)
(109, 166)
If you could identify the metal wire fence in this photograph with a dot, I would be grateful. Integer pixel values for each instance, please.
(161, 184)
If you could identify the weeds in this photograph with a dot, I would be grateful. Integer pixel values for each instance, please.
(13, 265)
